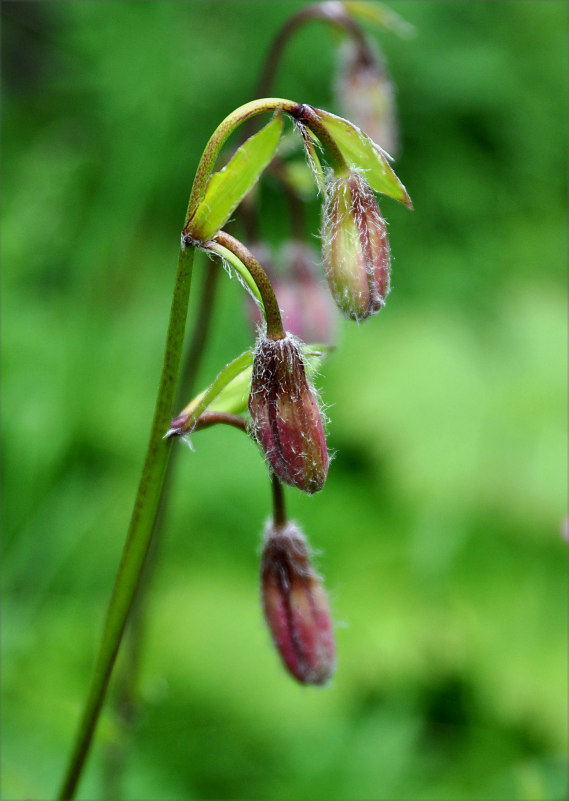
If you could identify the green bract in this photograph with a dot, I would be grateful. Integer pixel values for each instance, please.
(230, 391)
(227, 188)
(241, 270)
(232, 372)
(364, 156)
(380, 14)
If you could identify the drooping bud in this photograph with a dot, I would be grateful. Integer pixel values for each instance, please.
(286, 419)
(295, 606)
(355, 247)
(307, 309)
(366, 95)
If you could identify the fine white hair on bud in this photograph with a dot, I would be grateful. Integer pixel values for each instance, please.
(355, 247)
(285, 415)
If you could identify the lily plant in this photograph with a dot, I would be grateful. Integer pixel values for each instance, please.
(267, 391)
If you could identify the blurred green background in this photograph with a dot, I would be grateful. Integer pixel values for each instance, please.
(439, 526)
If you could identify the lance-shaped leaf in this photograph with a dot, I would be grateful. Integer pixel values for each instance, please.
(379, 14)
(227, 188)
(235, 402)
(364, 156)
(230, 391)
(231, 260)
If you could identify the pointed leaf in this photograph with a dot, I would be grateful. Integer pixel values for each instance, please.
(230, 390)
(234, 397)
(229, 259)
(185, 421)
(381, 15)
(227, 188)
(364, 156)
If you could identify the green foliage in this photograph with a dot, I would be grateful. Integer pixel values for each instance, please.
(362, 155)
(439, 527)
(380, 14)
(227, 188)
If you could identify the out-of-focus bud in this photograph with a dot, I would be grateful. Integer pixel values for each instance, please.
(355, 247)
(296, 607)
(365, 93)
(286, 419)
(307, 309)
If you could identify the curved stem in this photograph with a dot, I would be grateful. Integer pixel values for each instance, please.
(208, 419)
(298, 111)
(275, 328)
(334, 13)
(220, 136)
(141, 524)
(211, 246)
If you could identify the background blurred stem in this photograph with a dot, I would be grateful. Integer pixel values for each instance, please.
(126, 695)
(141, 525)
(334, 13)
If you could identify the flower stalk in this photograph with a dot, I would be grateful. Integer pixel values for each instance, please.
(273, 318)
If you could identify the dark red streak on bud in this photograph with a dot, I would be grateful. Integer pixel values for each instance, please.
(285, 416)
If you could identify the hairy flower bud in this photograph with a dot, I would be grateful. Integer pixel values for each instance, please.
(296, 607)
(286, 420)
(365, 93)
(355, 247)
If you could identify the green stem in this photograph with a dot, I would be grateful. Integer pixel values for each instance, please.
(220, 136)
(141, 524)
(275, 328)
(227, 255)
(333, 13)
(126, 700)
(301, 113)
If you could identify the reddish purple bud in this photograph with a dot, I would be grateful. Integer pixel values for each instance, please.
(366, 95)
(355, 247)
(295, 605)
(285, 415)
(306, 307)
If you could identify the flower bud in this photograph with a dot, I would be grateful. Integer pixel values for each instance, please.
(365, 93)
(355, 247)
(286, 420)
(295, 606)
